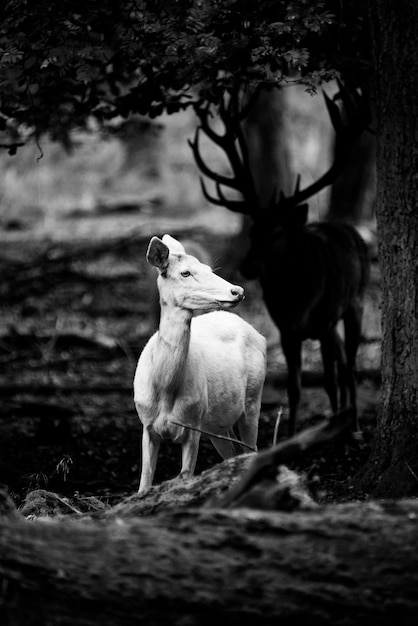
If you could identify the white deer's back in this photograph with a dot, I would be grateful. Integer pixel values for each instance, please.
(233, 353)
(220, 340)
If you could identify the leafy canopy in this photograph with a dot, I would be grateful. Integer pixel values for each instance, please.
(65, 63)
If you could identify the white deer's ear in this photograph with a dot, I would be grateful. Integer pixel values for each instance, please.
(174, 246)
(157, 254)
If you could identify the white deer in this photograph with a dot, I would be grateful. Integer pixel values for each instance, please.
(207, 372)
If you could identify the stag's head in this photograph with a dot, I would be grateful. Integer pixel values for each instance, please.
(271, 229)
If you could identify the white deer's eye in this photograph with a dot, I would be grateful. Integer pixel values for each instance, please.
(186, 273)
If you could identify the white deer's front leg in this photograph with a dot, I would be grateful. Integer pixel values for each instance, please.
(150, 447)
(189, 452)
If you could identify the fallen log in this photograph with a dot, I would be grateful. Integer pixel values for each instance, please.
(343, 564)
(258, 487)
(158, 559)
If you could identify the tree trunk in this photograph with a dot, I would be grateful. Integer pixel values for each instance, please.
(348, 564)
(393, 467)
(265, 130)
(353, 194)
(266, 134)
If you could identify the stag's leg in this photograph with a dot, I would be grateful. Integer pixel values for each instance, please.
(341, 360)
(352, 328)
(189, 451)
(150, 447)
(330, 348)
(292, 348)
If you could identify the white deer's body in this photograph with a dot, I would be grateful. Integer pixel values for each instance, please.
(205, 372)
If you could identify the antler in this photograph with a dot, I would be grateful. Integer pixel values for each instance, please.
(233, 144)
(358, 119)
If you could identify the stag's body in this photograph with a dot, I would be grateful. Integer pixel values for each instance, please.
(313, 276)
(206, 373)
(319, 270)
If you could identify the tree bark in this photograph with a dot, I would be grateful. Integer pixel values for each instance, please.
(393, 467)
(353, 193)
(267, 137)
(346, 564)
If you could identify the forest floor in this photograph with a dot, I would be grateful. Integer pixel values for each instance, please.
(74, 318)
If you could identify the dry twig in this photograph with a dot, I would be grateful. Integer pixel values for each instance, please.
(208, 434)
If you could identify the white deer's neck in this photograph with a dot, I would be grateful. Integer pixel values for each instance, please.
(173, 339)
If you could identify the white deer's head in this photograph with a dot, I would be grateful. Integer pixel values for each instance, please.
(187, 283)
